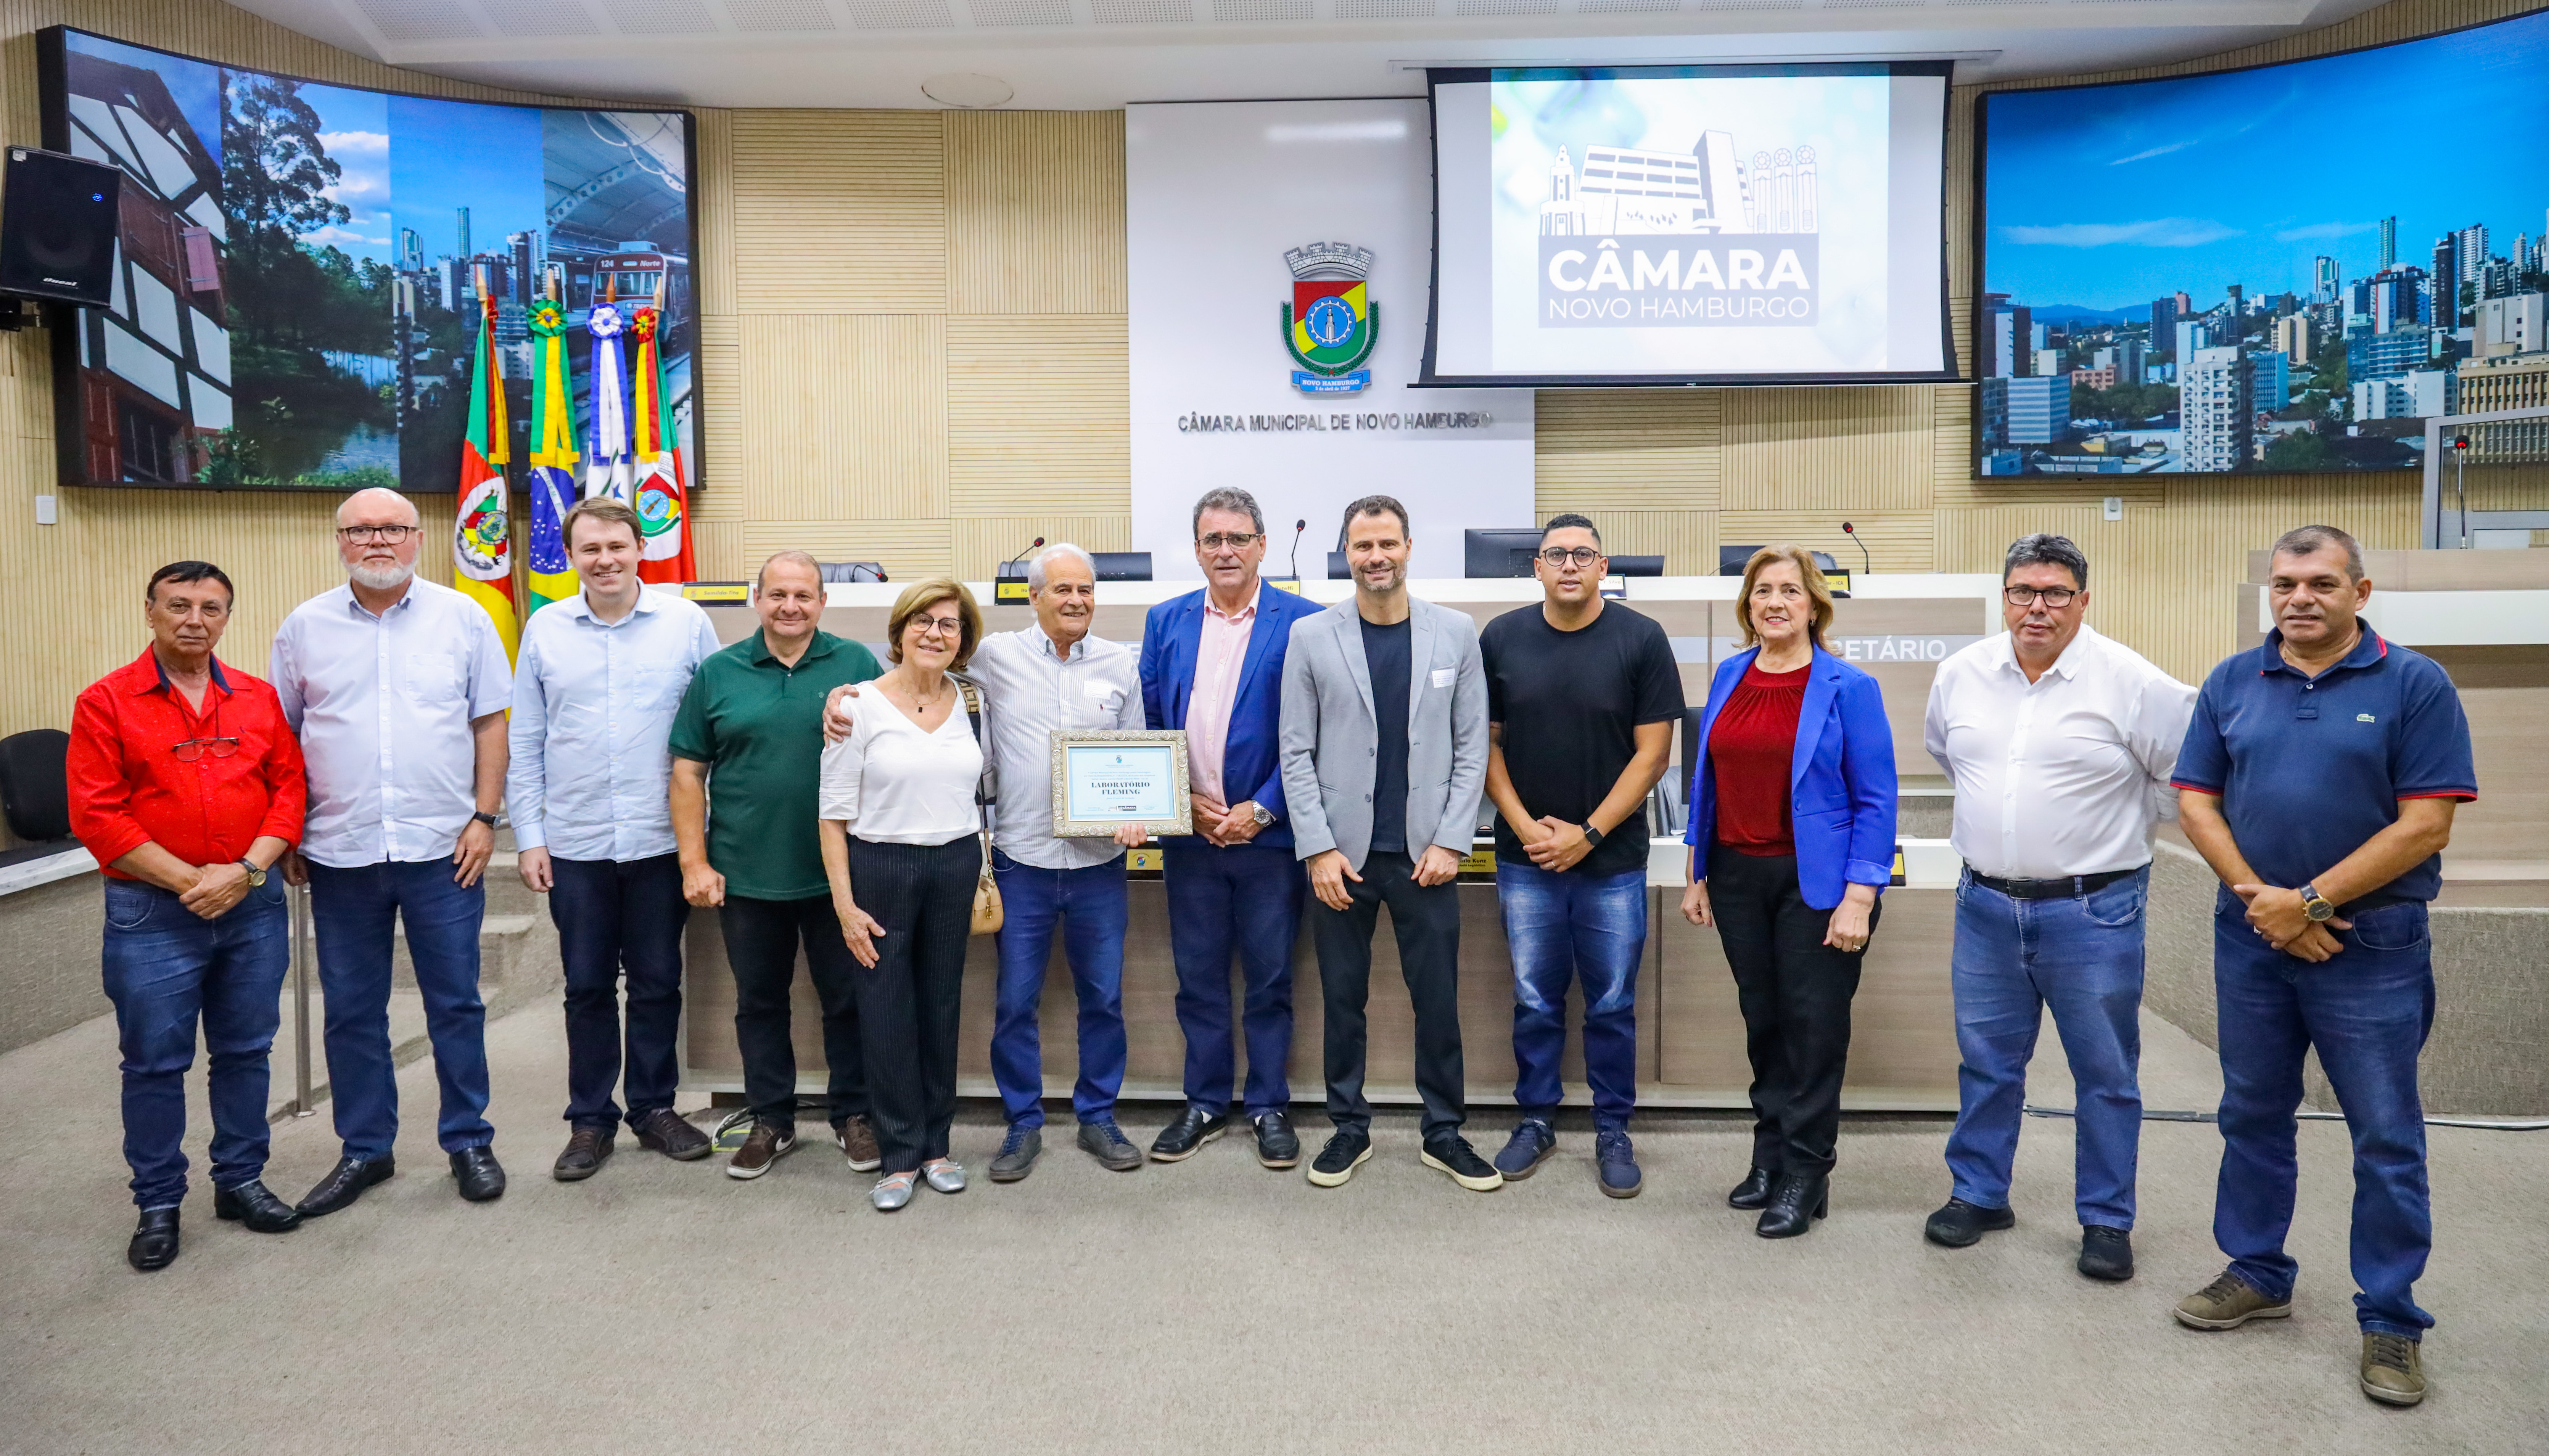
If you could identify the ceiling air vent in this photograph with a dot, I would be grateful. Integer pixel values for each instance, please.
(420, 19)
(780, 15)
(1261, 10)
(1141, 12)
(901, 15)
(528, 18)
(1384, 9)
(1021, 12)
(660, 17)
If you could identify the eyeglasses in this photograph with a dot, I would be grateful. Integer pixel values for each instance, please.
(2054, 598)
(195, 748)
(940, 626)
(1560, 556)
(1231, 540)
(384, 535)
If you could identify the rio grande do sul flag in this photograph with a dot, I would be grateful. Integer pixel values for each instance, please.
(482, 545)
(662, 496)
(552, 486)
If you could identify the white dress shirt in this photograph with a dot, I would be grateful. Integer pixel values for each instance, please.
(590, 777)
(1028, 693)
(892, 781)
(2063, 775)
(383, 705)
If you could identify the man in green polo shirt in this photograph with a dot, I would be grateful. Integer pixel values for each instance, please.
(750, 735)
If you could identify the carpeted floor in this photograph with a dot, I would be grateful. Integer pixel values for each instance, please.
(1212, 1306)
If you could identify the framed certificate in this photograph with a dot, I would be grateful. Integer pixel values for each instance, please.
(1106, 778)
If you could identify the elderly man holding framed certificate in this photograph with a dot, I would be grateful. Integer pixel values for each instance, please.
(1042, 685)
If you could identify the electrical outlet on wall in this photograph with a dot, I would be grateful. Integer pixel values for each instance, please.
(2115, 507)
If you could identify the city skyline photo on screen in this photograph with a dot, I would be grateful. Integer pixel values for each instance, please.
(2248, 272)
(302, 266)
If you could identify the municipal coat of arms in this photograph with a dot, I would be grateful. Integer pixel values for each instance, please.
(1331, 324)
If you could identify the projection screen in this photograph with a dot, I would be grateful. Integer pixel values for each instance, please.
(1643, 226)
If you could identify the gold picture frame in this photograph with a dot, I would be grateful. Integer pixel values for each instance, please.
(1127, 777)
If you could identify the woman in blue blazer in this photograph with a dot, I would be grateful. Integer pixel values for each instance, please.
(1792, 840)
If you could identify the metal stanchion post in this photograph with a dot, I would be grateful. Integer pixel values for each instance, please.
(301, 956)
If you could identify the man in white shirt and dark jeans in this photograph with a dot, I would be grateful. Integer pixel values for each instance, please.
(600, 676)
(2059, 742)
(397, 688)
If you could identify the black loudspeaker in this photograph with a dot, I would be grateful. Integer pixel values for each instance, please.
(57, 227)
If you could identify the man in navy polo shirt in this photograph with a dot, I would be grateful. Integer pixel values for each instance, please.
(2319, 779)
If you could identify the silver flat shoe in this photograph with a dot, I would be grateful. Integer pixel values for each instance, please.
(890, 1192)
(944, 1175)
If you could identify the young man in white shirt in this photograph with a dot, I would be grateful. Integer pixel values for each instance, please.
(2059, 742)
(397, 688)
(600, 676)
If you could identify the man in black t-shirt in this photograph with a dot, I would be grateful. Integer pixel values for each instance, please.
(1583, 700)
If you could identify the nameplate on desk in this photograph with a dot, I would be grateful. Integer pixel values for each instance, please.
(1888, 648)
(716, 591)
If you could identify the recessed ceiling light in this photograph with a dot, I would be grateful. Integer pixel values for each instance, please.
(966, 89)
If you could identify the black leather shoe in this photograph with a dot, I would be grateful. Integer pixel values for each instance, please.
(1277, 1145)
(1960, 1225)
(1796, 1201)
(586, 1149)
(154, 1241)
(482, 1178)
(344, 1183)
(1184, 1137)
(2105, 1253)
(254, 1208)
(1754, 1191)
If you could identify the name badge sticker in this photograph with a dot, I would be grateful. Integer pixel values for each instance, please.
(1442, 677)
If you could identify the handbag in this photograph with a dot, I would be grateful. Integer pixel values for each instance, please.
(988, 915)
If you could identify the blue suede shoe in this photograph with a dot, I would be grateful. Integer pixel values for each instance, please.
(1531, 1146)
(1617, 1164)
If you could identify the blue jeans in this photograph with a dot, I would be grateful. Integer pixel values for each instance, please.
(165, 967)
(611, 917)
(353, 911)
(1091, 904)
(2367, 1010)
(2081, 955)
(1566, 927)
(1247, 899)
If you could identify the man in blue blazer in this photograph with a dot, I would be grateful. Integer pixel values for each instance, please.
(1212, 664)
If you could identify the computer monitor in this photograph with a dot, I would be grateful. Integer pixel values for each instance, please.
(1122, 565)
(1731, 559)
(1499, 552)
(1637, 566)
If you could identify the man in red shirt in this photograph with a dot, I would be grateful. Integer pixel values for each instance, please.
(186, 785)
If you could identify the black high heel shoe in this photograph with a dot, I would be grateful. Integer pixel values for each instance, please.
(1754, 1191)
(1786, 1217)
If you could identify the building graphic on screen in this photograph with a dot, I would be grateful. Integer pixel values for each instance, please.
(1623, 191)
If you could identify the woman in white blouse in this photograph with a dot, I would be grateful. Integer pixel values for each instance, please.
(899, 824)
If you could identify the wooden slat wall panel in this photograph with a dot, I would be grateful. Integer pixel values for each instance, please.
(1685, 539)
(839, 212)
(844, 417)
(1647, 450)
(718, 545)
(1896, 540)
(712, 210)
(909, 548)
(1035, 211)
(1036, 415)
(720, 373)
(1828, 449)
(979, 543)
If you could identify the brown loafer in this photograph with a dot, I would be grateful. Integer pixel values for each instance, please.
(670, 1133)
(586, 1149)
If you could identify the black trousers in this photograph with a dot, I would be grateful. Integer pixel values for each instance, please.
(762, 937)
(1427, 922)
(615, 917)
(1795, 993)
(923, 896)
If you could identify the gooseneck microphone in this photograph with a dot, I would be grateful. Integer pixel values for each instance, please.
(1298, 528)
(1039, 541)
(1864, 558)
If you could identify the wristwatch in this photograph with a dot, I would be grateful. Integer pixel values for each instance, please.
(2314, 905)
(484, 818)
(1592, 836)
(1264, 816)
(255, 876)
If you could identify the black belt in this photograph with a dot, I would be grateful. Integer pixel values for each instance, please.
(2049, 890)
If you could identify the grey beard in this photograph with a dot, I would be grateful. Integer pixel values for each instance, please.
(380, 578)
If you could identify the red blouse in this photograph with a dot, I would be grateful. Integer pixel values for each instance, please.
(1751, 749)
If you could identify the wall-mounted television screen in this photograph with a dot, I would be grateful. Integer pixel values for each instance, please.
(2256, 270)
(1647, 225)
(301, 267)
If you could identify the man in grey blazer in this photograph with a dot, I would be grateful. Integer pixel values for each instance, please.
(1384, 742)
